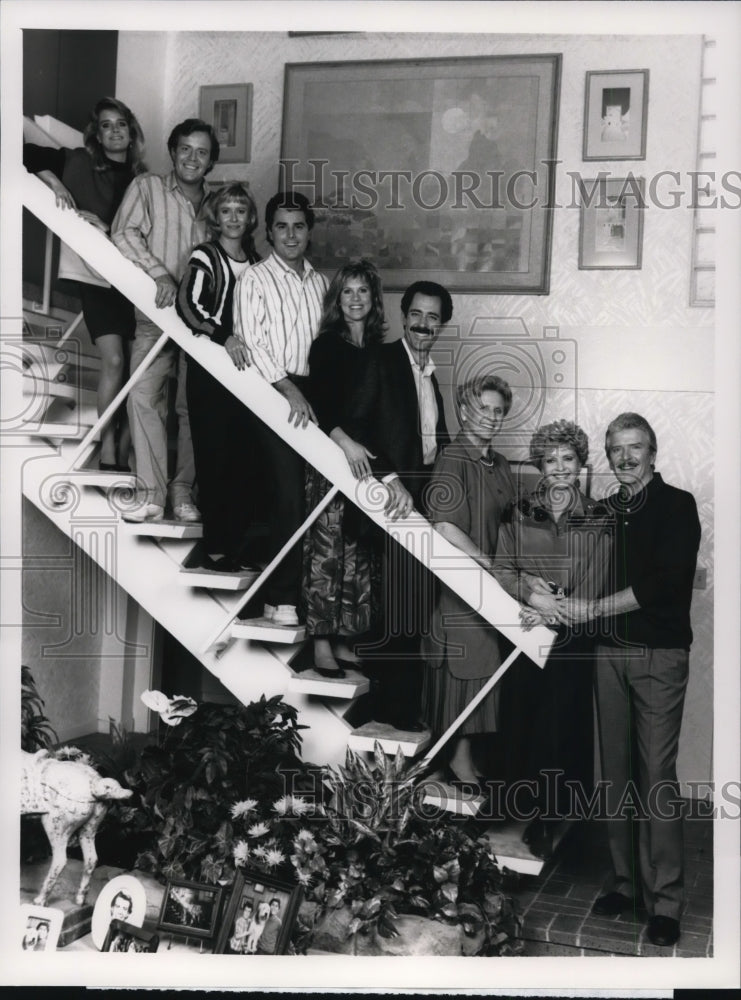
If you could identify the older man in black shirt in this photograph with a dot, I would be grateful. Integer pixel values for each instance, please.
(641, 677)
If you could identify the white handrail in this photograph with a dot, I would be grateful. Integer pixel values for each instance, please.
(456, 570)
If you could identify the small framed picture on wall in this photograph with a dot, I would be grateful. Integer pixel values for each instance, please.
(615, 115)
(611, 223)
(228, 109)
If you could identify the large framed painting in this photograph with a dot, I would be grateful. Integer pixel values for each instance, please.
(441, 169)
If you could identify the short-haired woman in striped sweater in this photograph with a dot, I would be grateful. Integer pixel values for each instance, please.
(219, 422)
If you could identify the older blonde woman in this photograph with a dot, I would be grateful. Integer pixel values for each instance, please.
(554, 543)
(471, 488)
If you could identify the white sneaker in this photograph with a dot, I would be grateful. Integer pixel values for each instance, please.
(187, 512)
(147, 512)
(283, 614)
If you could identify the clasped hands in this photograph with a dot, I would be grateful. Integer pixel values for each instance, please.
(545, 607)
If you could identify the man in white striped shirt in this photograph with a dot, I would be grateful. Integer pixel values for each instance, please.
(157, 226)
(277, 309)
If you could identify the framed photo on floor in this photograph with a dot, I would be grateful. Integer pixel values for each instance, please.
(130, 938)
(228, 109)
(260, 915)
(437, 169)
(616, 115)
(40, 927)
(611, 224)
(190, 908)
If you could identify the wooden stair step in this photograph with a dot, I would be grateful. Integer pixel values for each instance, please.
(352, 685)
(263, 630)
(505, 838)
(390, 739)
(164, 529)
(451, 799)
(194, 576)
(34, 384)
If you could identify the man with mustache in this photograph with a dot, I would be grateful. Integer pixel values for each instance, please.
(401, 402)
(641, 677)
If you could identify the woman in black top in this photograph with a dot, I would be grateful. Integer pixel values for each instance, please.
(93, 181)
(339, 565)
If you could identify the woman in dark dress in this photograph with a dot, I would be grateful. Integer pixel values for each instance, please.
(340, 562)
(471, 487)
(552, 543)
(93, 181)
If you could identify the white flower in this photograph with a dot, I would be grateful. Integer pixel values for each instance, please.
(282, 806)
(300, 806)
(258, 830)
(274, 857)
(171, 710)
(243, 807)
(259, 852)
(303, 877)
(241, 852)
(304, 834)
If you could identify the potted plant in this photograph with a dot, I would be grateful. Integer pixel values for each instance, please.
(375, 866)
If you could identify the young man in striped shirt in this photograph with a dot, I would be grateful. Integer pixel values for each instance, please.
(277, 308)
(157, 226)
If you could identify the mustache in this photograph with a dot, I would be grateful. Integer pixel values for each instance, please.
(424, 330)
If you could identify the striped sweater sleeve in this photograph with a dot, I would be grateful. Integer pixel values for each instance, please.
(204, 299)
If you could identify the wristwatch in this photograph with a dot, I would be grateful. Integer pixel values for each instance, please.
(596, 609)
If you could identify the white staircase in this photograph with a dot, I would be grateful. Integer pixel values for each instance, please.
(147, 560)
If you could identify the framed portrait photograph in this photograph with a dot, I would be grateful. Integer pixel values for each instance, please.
(444, 172)
(228, 109)
(190, 908)
(260, 915)
(40, 927)
(127, 937)
(615, 115)
(611, 224)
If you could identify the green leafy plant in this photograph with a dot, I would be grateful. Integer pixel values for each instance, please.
(37, 732)
(376, 851)
(369, 847)
(188, 782)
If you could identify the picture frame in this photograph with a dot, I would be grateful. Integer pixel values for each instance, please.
(611, 224)
(41, 927)
(445, 173)
(190, 908)
(615, 114)
(124, 937)
(228, 109)
(254, 894)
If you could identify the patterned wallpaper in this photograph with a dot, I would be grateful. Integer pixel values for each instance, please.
(638, 344)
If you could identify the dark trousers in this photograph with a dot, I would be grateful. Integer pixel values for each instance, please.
(222, 430)
(394, 659)
(285, 471)
(547, 726)
(640, 699)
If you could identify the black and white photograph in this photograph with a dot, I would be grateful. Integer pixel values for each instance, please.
(41, 926)
(259, 916)
(190, 909)
(369, 535)
(123, 937)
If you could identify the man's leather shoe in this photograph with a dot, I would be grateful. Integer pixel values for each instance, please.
(613, 903)
(663, 931)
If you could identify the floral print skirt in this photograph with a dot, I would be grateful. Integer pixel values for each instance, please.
(341, 590)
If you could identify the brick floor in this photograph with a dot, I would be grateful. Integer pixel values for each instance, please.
(556, 905)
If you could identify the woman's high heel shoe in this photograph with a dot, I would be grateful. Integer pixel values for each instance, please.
(325, 672)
